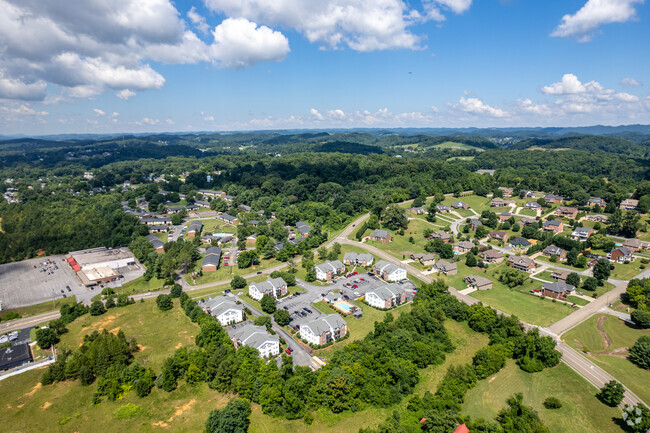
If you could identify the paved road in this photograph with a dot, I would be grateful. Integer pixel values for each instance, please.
(28, 322)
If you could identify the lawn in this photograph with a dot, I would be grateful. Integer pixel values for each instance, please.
(139, 285)
(600, 290)
(227, 272)
(215, 226)
(528, 212)
(626, 272)
(476, 202)
(399, 244)
(454, 145)
(581, 412)
(577, 300)
(45, 307)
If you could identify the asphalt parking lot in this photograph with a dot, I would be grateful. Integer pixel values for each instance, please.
(35, 281)
(296, 304)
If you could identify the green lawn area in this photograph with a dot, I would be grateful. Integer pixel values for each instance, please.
(627, 272)
(215, 226)
(453, 144)
(528, 212)
(581, 412)
(139, 285)
(476, 202)
(586, 337)
(460, 158)
(577, 300)
(399, 244)
(45, 307)
(227, 272)
(561, 264)
(600, 290)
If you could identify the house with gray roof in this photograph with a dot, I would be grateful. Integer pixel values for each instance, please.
(478, 282)
(556, 251)
(158, 245)
(224, 309)
(380, 235)
(582, 233)
(212, 259)
(442, 208)
(447, 268)
(386, 297)
(522, 263)
(324, 330)
(194, 229)
(329, 270)
(256, 337)
(558, 289)
(491, 257)
(275, 287)
(356, 259)
(460, 205)
(389, 271)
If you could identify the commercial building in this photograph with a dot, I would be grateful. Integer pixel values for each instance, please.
(99, 265)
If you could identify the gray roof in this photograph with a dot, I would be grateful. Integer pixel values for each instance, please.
(494, 254)
(533, 205)
(301, 224)
(521, 260)
(554, 250)
(442, 207)
(253, 336)
(381, 234)
(331, 297)
(467, 245)
(475, 223)
(458, 204)
(269, 285)
(520, 242)
(554, 223)
(386, 267)
(356, 257)
(195, 226)
(585, 230)
(212, 257)
(303, 229)
(387, 292)
(446, 266)
(333, 266)
(477, 280)
(227, 217)
(440, 234)
(625, 251)
(322, 325)
(221, 304)
(161, 219)
(157, 243)
(559, 287)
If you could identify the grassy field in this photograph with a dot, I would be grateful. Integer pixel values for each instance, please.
(139, 285)
(587, 338)
(626, 272)
(399, 244)
(577, 300)
(475, 202)
(227, 272)
(453, 144)
(528, 212)
(216, 226)
(34, 310)
(581, 412)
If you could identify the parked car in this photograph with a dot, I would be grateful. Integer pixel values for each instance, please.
(288, 351)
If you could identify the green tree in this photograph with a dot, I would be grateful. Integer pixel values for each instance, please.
(573, 279)
(282, 317)
(268, 304)
(237, 282)
(518, 418)
(46, 338)
(247, 259)
(612, 393)
(601, 270)
(97, 308)
(636, 418)
(234, 418)
(164, 302)
(590, 283)
(641, 318)
(176, 291)
(552, 403)
(447, 251)
(394, 219)
(263, 321)
(470, 260)
(640, 352)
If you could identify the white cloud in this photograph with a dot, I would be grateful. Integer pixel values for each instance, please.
(147, 121)
(169, 121)
(14, 88)
(316, 114)
(569, 85)
(198, 20)
(115, 114)
(629, 81)
(125, 94)
(527, 106)
(434, 8)
(207, 118)
(362, 25)
(99, 112)
(239, 43)
(594, 14)
(478, 107)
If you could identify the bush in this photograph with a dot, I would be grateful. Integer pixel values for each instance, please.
(640, 352)
(176, 291)
(164, 302)
(641, 318)
(612, 393)
(97, 308)
(552, 403)
(127, 411)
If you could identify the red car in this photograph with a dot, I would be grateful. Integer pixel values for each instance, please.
(288, 351)
(362, 279)
(226, 257)
(225, 264)
(355, 286)
(354, 273)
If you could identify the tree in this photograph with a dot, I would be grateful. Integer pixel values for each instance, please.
(601, 270)
(552, 403)
(263, 321)
(394, 219)
(46, 338)
(447, 251)
(234, 418)
(97, 308)
(164, 302)
(470, 260)
(517, 418)
(268, 304)
(637, 418)
(573, 279)
(247, 259)
(640, 352)
(612, 393)
(641, 318)
(516, 227)
(237, 282)
(512, 277)
(590, 283)
(176, 291)
(177, 219)
(282, 317)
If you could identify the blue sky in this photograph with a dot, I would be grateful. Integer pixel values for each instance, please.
(152, 65)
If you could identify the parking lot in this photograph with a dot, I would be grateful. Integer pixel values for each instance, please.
(364, 283)
(35, 281)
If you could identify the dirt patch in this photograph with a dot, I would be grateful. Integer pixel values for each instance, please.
(46, 405)
(178, 346)
(20, 405)
(492, 379)
(621, 352)
(141, 347)
(181, 409)
(160, 424)
(33, 391)
(9, 406)
(115, 330)
(105, 322)
(607, 342)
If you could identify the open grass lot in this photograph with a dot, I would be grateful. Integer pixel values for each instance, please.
(586, 337)
(577, 300)
(227, 272)
(139, 285)
(581, 412)
(213, 225)
(454, 145)
(528, 212)
(475, 202)
(399, 244)
(627, 272)
(34, 310)
(517, 301)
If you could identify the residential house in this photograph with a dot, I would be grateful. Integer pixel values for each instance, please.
(463, 247)
(520, 243)
(428, 259)
(566, 212)
(441, 208)
(522, 263)
(211, 193)
(256, 337)
(442, 235)
(228, 198)
(491, 257)
(555, 226)
(636, 245)
(498, 235)
(557, 290)
(507, 192)
(504, 216)
(629, 204)
(275, 287)
(158, 245)
(227, 218)
(244, 208)
(460, 205)
(389, 271)
(474, 224)
(356, 259)
(380, 235)
(560, 275)
(224, 309)
(499, 202)
(162, 221)
(582, 233)
(553, 250)
(552, 198)
(597, 201)
(303, 228)
(212, 259)
(329, 270)
(324, 330)
(526, 193)
(598, 218)
(477, 282)
(418, 210)
(532, 205)
(386, 297)
(158, 229)
(620, 255)
(527, 221)
(447, 268)
(194, 229)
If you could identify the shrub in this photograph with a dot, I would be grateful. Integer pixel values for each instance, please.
(127, 411)
(552, 403)
(640, 352)
(164, 302)
(612, 393)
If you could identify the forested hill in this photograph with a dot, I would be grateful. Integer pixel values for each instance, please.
(592, 143)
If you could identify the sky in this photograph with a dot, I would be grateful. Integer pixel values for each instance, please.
(97, 66)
